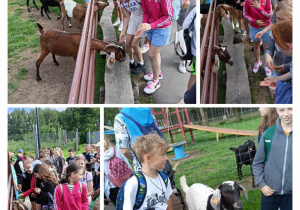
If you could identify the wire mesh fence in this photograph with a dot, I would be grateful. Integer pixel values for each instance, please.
(211, 162)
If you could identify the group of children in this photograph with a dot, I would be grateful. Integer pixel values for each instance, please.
(151, 20)
(53, 183)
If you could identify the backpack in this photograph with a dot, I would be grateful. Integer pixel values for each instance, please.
(183, 42)
(154, 129)
(176, 9)
(268, 138)
(141, 191)
(118, 170)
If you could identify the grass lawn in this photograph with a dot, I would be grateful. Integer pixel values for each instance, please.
(213, 162)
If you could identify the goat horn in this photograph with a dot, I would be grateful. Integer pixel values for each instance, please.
(175, 167)
(111, 45)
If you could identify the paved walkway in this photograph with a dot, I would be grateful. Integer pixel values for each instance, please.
(174, 84)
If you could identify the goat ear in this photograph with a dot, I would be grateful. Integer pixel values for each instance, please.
(245, 192)
(216, 48)
(216, 199)
(220, 45)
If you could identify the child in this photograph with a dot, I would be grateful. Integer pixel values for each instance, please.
(35, 183)
(97, 167)
(86, 154)
(48, 184)
(26, 180)
(47, 164)
(272, 165)
(87, 177)
(151, 152)
(71, 157)
(59, 162)
(91, 156)
(110, 190)
(12, 160)
(19, 167)
(71, 194)
(269, 116)
(49, 154)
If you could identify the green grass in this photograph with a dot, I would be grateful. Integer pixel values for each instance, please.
(214, 162)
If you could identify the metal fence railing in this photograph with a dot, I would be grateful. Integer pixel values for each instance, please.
(83, 84)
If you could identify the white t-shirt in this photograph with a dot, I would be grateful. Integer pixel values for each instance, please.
(133, 6)
(157, 195)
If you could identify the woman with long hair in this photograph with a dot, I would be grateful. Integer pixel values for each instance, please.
(48, 184)
(49, 154)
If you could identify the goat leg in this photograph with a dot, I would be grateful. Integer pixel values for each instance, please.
(42, 8)
(27, 4)
(239, 171)
(253, 185)
(180, 197)
(54, 60)
(47, 12)
(44, 53)
(35, 5)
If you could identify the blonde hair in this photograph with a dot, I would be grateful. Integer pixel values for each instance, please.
(60, 152)
(27, 161)
(149, 144)
(286, 7)
(107, 143)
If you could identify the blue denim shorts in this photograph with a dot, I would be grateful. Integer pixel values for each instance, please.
(159, 37)
(254, 31)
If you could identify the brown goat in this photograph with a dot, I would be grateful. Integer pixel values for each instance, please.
(77, 11)
(220, 11)
(67, 44)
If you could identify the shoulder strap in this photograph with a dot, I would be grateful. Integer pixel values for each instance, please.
(141, 191)
(192, 23)
(62, 194)
(164, 177)
(143, 130)
(268, 138)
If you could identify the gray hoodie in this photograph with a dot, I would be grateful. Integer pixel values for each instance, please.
(277, 173)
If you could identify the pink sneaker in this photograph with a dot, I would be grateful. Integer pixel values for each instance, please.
(151, 87)
(268, 71)
(256, 66)
(149, 76)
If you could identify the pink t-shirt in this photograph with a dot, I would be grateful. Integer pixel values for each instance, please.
(264, 12)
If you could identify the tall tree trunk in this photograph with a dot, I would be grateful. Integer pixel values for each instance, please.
(237, 114)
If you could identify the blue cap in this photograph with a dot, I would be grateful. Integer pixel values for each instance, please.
(20, 151)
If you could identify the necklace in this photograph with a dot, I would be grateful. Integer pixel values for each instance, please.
(155, 184)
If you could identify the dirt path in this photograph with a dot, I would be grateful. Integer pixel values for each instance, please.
(56, 80)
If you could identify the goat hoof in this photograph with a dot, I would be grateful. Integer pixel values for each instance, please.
(38, 79)
(57, 64)
(37, 9)
(29, 10)
(49, 18)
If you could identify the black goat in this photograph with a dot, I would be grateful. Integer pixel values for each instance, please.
(27, 3)
(245, 155)
(50, 3)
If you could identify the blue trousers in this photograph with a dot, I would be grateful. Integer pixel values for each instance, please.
(273, 202)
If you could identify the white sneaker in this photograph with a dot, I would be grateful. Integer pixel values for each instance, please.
(120, 27)
(233, 25)
(245, 33)
(182, 68)
(145, 48)
(256, 66)
(151, 87)
(268, 71)
(117, 22)
(149, 76)
(237, 25)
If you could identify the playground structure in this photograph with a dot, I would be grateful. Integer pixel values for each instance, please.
(222, 130)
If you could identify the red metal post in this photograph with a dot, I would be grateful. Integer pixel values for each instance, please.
(181, 126)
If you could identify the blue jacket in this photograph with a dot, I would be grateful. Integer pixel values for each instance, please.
(277, 172)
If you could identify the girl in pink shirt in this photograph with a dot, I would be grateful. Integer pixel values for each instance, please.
(71, 194)
(258, 13)
(157, 20)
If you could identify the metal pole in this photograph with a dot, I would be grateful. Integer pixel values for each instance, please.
(59, 138)
(77, 142)
(38, 127)
(89, 137)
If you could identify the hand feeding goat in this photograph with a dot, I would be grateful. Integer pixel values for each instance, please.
(202, 197)
(245, 155)
(67, 44)
(77, 11)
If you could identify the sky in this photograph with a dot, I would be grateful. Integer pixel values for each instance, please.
(27, 109)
